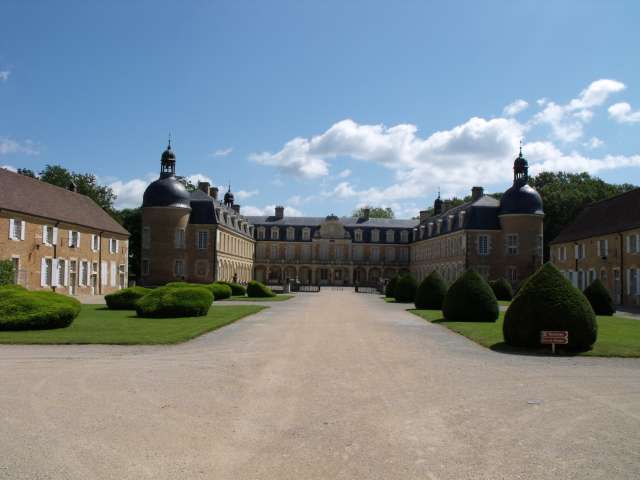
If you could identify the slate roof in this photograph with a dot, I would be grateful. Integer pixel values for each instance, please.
(30, 196)
(613, 215)
(203, 212)
(346, 221)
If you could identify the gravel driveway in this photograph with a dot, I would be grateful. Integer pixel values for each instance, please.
(334, 385)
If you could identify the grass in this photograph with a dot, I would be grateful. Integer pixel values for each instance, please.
(504, 303)
(244, 298)
(97, 324)
(617, 336)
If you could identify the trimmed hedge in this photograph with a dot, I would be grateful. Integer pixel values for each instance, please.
(502, 289)
(390, 289)
(172, 302)
(220, 290)
(236, 288)
(431, 292)
(470, 299)
(125, 299)
(405, 289)
(548, 301)
(600, 298)
(7, 273)
(21, 309)
(258, 290)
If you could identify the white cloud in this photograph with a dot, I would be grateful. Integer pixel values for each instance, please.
(4, 75)
(244, 194)
(11, 168)
(198, 177)
(9, 146)
(343, 190)
(594, 142)
(223, 152)
(567, 121)
(129, 193)
(515, 107)
(251, 211)
(622, 113)
(344, 173)
(294, 159)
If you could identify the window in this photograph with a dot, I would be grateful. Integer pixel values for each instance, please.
(357, 253)
(114, 245)
(178, 269)
(375, 254)
(122, 276)
(562, 253)
(74, 239)
(260, 233)
(390, 254)
(203, 240)
(146, 266)
(512, 274)
(603, 248)
(306, 233)
(306, 252)
(274, 251)
(146, 237)
(49, 235)
(512, 244)
(539, 245)
(275, 233)
(16, 229)
(603, 276)
(375, 236)
(46, 272)
(16, 269)
(483, 245)
(291, 233)
(581, 280)
(290, 252)
(390, 236)
(439, 226)
(404, 236)
(95, 241)
(579, 251)
(357, 235)
(201, 268)
(633, 286)
(84, 273)
(592, 276)
(114, 271)
(338, 252)
(179, 243)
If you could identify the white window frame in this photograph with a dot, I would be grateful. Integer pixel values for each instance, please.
(95, 242)
(512, 243)
(291, 234)
(49, 235)
(178, 272)
(261, 233)
(74, 239)
(202, 240)
(275, 233)
(375, 235)
(17, 229)
(390, 236)
(357, 235)
(483, 245)
(306, 234)
(404, 236)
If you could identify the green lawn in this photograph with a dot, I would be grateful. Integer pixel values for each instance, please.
(277, 298)
(97, 324)
(617, 336)
(504, 303)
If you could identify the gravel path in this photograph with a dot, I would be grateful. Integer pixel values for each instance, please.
(334, 385)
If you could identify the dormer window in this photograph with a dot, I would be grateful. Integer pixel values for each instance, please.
(391, 237)
(439, 226)
(357, 235)
(430, 228)
(261, 233)
(375, 235)
(461, 219)
(404, 236)
(275, 233)
(306, 233)
(291, 234)
(450, 222)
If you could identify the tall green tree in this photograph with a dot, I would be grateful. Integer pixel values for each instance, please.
(86, 183)
(374, 212)
(131, 219)
(27, 172)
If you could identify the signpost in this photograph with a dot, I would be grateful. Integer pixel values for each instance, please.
(553, 338)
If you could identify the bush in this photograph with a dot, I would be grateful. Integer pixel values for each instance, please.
(431, 292)
(502, 289)
(258, 290)
(171, 302)
(599, 298)
(7, 272)
(548, 301)
(21, 309)
(405, 289)
(220, 290)
(470, 299)
(390, 290)
(125, 299)
(236, 288)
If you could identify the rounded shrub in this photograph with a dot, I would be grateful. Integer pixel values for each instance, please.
(236, 288)
(126, 298)
(405, 289)
(258, 290)
(171, 302)
(390, 289)
(600, 298)
(21, 309)
(220, 290)
(548, 301)
(502, 289)
(470, 299)
(431, 292)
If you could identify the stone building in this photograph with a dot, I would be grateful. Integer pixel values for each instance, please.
(192, 236)
(604, 242)
(59, 239)
(497, 238)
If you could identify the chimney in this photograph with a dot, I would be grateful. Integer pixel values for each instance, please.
(476, 193)
(204, 186)
(236, 208)
(424, 214)
(279, 213)
(213, 191)
(366, 211)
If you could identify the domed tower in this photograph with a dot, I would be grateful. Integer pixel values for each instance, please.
(165, 217)
(228, 198)
(521, 218)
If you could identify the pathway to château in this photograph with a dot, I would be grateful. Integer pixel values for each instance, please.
(334, 385)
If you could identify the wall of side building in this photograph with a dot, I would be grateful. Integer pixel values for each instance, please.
(63, 257)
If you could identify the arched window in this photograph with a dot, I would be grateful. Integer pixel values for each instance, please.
(391, 236)
(357, 235)
(260, 233)
(275, 233)
(375, 235)
(291, 233)
(306, 233)
(404, 236)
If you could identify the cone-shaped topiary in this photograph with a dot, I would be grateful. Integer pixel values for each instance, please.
(126, 298)
(21, 309)
(172, 302)
(502, 289)
(470, 299)
(600, 298)
(405, 289)
(389, 290)
(258, 290)
(431, 292)
(220, 290)
(548, 301)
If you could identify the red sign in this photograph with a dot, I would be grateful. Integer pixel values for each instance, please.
(557, 337)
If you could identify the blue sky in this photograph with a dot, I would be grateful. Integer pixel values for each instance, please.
(322, 106)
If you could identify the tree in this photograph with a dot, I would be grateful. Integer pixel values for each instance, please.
(131, 219)
(374, 212)
(188, 184)
(86, 183)
(27, 172)
(7, 272)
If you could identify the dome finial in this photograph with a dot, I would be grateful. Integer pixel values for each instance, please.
(520, 147)
(169, 144)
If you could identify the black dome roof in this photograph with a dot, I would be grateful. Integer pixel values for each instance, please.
(521, 199)
(228, 198)
(168, 154)
(166, 192)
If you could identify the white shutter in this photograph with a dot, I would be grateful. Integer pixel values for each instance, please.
(44, 234)
(117, 246)
(43, 272)
(23, 229)
(93, 242)
(103, 273)
(54, 272)
(11, 228)
(66, 272)
(78, 239)
(114, 274)
(70, 238)
(628, 243)
(55, 236)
